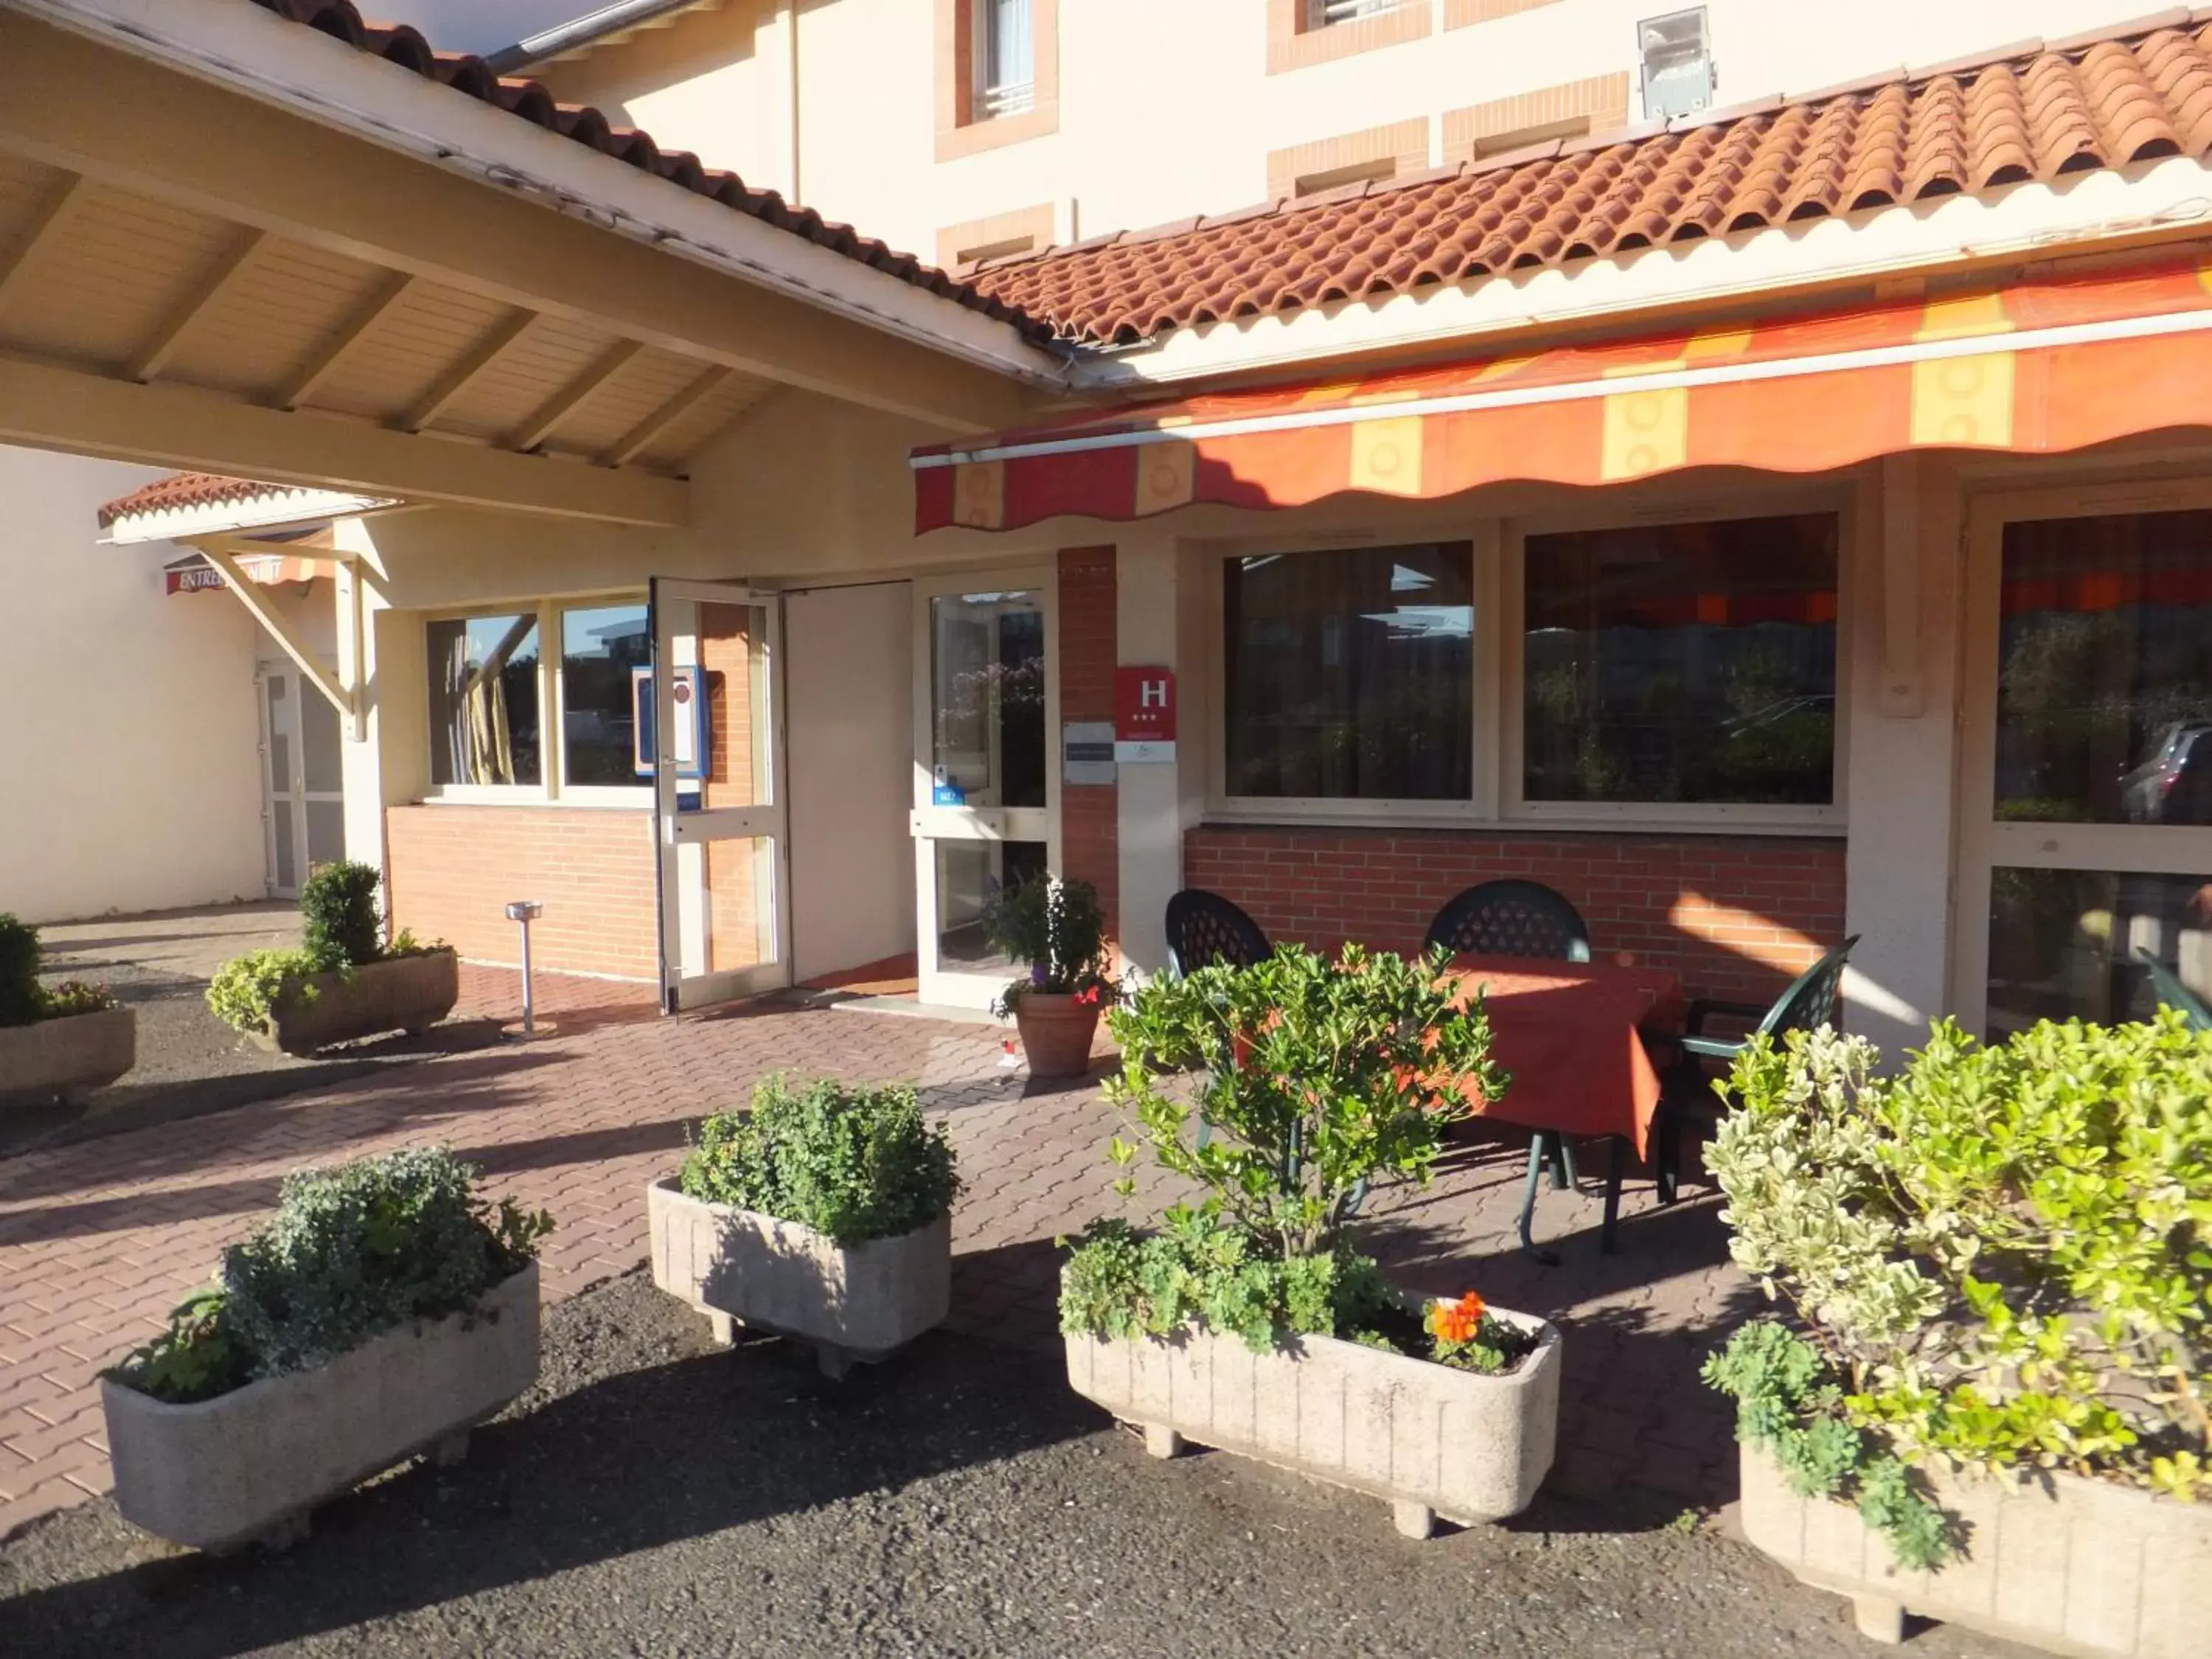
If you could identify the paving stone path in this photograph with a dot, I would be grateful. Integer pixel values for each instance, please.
(99, 1238)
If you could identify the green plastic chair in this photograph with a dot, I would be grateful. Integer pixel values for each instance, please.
(2173, 993)
(1686, 1092)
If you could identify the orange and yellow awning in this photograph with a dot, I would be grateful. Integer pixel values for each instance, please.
(2032, 368)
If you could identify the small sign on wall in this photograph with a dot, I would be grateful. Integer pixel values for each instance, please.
(1144, 715)
(1087, 751)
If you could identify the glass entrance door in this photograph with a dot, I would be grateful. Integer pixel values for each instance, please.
(2086, 819)
(986, 795)
(303, 799)
(708, 732)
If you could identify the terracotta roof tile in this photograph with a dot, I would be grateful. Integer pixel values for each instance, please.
(2031, 112)
(530, 101)
(180, 490)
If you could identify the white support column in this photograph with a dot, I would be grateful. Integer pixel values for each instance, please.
(1902, 691)
(1146, 590)
(359, 599)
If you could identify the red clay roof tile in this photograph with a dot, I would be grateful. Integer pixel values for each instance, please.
(183, 489)
(531, 102)
(2031, 112)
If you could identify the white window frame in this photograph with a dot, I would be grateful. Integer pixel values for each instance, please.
(990, 102)
(546, 789)
(1498, 589)
(637, 796)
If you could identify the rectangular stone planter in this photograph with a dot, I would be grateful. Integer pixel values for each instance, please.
(406, 993)
(852, 1301)
(2069, 1566)
(67, 1059)
(249, 1465)
(1434, 1440)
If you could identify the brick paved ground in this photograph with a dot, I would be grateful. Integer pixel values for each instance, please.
(99, 1238)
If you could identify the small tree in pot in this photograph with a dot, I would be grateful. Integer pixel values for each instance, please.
(1058, 927)
(57, 1041)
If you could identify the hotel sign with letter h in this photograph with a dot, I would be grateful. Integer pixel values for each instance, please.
(1144, 715)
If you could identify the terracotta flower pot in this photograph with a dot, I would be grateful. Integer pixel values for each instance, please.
(1056, 1032)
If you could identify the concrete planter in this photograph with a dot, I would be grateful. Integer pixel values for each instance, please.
(407, 993)
(852, 1301)
(2068, 1566)
(66, 1059)
(1434, 1440)
(1057, 1032)
(249, 1465)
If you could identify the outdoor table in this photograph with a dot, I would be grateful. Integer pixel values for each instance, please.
(1572, 1034)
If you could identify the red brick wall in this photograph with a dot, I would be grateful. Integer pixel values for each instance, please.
(452, 870)
(1737, 916)
(1089, 834)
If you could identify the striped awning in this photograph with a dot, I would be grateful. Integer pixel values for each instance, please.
(2035, 367)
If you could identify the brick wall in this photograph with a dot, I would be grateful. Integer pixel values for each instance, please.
(453, 869)
(732, 867)
(1737, 916)
(1292, 45)
(1400, 149)
(1090, 830)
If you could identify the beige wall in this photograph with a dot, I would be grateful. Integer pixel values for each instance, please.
(1166, 108)
(129, 745)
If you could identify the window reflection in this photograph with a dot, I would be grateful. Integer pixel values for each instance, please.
(483, 701)
(1351, 675)
(599, 648)
(1682, 663)
(988, 669)
(2064, 944)
(2105, 671)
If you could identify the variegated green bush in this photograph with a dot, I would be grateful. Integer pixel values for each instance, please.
(2003, 1253)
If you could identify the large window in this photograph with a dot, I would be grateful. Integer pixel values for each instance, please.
(483, 701)
(1681, 663)
(600, 645)
(1350, 676)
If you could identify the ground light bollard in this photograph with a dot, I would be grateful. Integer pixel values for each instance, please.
(526, 911)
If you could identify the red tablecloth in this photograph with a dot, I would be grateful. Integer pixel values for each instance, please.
(1568, 1033)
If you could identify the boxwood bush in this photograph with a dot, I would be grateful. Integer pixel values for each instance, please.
(352, 1252)
(2000, 1257)
(852, 1162)
(23, 999)
(343, 929)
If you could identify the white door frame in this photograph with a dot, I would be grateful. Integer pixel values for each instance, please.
(1983, 843)
(930, 823)
(280, 814)
(681, 836)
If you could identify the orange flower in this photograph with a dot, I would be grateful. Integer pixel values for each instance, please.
(1457, 1322)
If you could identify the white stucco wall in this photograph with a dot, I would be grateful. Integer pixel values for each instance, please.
(131, 745)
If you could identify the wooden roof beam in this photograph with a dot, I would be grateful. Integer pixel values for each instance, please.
(358, 327)
(61, 203)
(649, 431)
(456, 381)
(556, 412)
(236, 260)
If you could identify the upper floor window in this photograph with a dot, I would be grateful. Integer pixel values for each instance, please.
(1321, 14)
(1005, 57)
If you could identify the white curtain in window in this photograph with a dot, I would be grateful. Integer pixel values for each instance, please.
(1008, 54)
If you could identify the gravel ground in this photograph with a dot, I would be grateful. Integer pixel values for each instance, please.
(653, 1496)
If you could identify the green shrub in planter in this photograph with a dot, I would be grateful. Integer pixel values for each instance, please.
(1319, 1077)
(244, 992)
(344, 928)
(351, 1253)
(853, 1163)
(2001, 1257)
(21, 997)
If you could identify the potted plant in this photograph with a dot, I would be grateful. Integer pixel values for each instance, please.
(1238, 1315)
(1989, 1402)
(825, 1214)
(1059, 928)
(385, 1309)
(56, 1042)
(343, 981)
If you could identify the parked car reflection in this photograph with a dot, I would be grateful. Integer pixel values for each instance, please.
(2173, 784)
